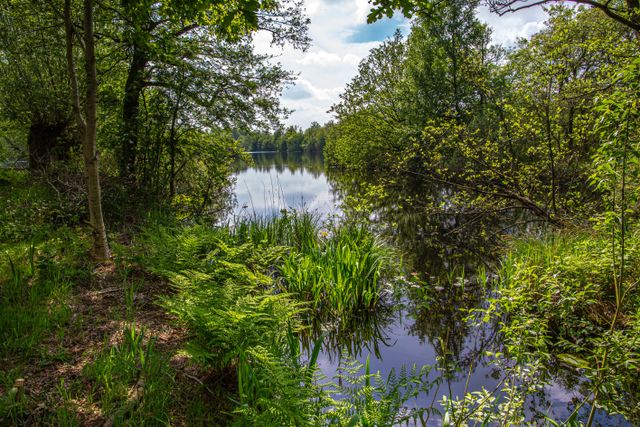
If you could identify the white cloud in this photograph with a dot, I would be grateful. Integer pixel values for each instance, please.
(332, 59)
(326, 59)
(319, 93)
(506, 29)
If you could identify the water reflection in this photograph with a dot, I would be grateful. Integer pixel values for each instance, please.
(358, 336)
(266, 161)
(442, 251)
(277, 181)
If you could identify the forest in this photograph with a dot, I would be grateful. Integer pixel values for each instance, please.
(292, 138)
(485, 201)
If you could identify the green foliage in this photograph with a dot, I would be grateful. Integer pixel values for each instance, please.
(131, 381)
(226, 296)
(358, 397)
(33, 87)
(557, 299)
(504, 406)
(625, 14)
(370, 114)
(297, 230)
(341, 274)
(39, 262)
(13, 404)
(228, 285)
(312, 139)
(499, 131)
(31, 209)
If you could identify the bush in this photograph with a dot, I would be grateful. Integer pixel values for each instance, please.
(339, 275)
(556, 301)
(227, 296)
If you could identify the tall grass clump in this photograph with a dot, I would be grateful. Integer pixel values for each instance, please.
(342, 273)
(297, 230)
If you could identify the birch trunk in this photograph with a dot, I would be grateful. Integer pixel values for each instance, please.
(87, 123)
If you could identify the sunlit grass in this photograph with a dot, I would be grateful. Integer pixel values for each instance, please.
(341, 273)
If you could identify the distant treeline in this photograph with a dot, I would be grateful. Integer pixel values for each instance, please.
(292, 138)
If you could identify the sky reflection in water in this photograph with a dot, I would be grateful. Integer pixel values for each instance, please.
(422, 331)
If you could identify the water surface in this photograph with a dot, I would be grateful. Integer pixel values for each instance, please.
(278, 181)
(424, 326)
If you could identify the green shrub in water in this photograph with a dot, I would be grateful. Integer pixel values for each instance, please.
(556, 302)
(341, 274)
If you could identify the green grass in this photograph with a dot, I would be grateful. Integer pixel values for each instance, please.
(131, 381)
(13, 404)
(297, 230)
(33, 301)
(341, 273)
(40, 260)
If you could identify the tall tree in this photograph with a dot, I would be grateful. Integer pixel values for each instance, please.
(625, 12)
(162, 34)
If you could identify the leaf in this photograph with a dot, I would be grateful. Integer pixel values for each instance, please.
(573, 361)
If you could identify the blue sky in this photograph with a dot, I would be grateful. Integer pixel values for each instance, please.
(341, 38)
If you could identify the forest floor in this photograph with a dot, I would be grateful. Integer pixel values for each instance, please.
(79, 342)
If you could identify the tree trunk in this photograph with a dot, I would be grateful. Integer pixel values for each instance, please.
(43, 144)
(88, 123)
(131, 112)
(100, 246)
(172, 144)
(633, 7)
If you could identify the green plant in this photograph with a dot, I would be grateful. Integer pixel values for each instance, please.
(340, 275)
(555, 303)
(358, 397)
(64, 415)
(34, 286)
(132, 382)
(13, 404)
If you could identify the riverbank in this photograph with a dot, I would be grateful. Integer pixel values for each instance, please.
(189, 325)
(193, 324)
(564, 301)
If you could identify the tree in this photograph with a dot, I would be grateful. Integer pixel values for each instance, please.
(170, 34)
(496, 133)
(371, 112)
(626, 13)
(86, 119)
(448, 64)
(33, 86)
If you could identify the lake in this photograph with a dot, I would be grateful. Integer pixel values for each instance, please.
(426, 326)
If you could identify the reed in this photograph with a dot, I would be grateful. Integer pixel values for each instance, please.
(341, 274)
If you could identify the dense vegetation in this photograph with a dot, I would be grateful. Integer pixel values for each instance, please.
(541, 133)
(128, 296)
(292, 138)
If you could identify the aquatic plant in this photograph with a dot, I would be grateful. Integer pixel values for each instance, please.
(341, 274)
(555, 301)
(295, 229)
